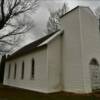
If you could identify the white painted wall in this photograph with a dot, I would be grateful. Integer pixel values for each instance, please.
(54, 64)
(47, 69)
(40, 82)
(90, 39)
(64, 64)
(81, 43)
(72, 64)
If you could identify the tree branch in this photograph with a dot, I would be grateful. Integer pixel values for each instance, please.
(10, 11)
(6, 42)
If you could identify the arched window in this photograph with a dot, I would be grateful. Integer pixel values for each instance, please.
(15, 71)
(9, 71)
(94, 62)
(32, 68)
(22, 74)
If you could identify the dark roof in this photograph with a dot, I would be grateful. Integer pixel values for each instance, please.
(69, 11)
(30, 48)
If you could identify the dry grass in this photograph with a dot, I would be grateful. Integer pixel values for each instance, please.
(10, 93)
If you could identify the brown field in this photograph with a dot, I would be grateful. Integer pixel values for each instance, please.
(11, 93)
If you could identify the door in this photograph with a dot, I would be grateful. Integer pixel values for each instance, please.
(95, 74)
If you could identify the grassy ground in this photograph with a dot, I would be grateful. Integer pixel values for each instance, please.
(9, 93)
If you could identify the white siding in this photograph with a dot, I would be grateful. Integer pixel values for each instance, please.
(54, 64)
(40, 82)
(64, 64)
(72, 66)
(90, 37)
(81, 43)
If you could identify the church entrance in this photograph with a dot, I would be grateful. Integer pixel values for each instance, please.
(95, 74)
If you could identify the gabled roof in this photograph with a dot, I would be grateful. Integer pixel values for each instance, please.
(36, 45)
(75, 9)
(52, 37)
(69, 11)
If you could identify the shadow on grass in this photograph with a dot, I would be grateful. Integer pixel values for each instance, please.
(10, 93)
(50, 97)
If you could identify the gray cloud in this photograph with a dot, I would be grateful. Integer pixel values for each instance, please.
(40, 17)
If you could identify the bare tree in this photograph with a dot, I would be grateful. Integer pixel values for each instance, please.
(13, 22)
(53, 23)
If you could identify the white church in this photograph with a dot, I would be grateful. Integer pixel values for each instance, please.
(67, 60)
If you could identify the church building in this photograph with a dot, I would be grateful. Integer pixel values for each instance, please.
(67, 60)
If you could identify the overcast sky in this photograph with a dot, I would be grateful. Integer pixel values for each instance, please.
(40, 17)
(42, 14)
(71, 3)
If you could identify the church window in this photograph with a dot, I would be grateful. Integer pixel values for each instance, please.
(15, 68)
(9, 71)
(32, 68)
(22, 74)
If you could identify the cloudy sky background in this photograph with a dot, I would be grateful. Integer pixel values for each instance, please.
(40, 16)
